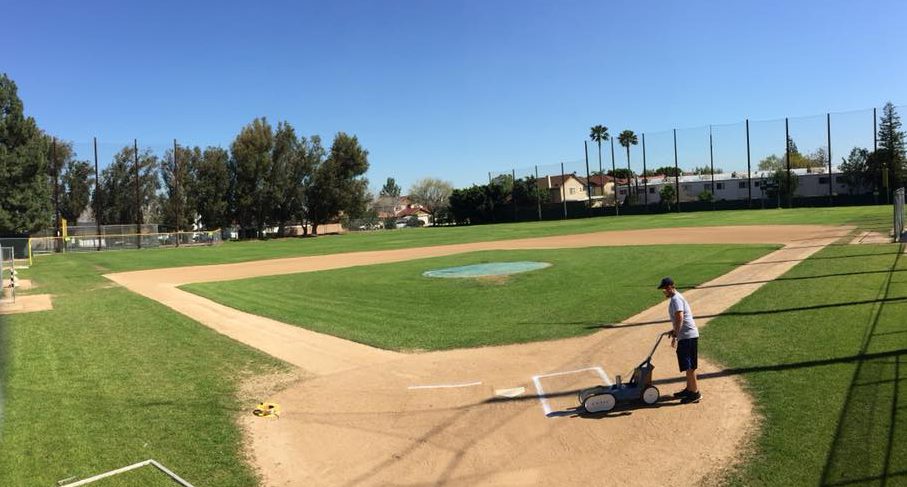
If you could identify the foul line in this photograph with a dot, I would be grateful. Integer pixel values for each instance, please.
(541, 392)
(445, 386)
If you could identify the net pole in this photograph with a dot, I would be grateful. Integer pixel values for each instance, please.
(614, 178)
(563, 191)
(538, 194)
(676, 174)
(749, 172)
(645, 177)
(513, 193)
(588, 178)
(831, 178)
(97, 193)
(712, 166)
(790, 196)
(138, 195)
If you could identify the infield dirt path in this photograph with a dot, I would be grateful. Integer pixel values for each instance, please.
(375, 417)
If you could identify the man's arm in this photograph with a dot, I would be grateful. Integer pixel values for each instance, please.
(678, 320)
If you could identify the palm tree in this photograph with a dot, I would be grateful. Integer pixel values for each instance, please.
(599, 133)
(626, 139)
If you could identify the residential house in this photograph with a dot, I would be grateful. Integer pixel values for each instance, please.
(570, 187)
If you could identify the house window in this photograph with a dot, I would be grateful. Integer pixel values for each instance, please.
(720, 185)
(823, 179)
(706, 187)
(741, 184)
(756, 184)
(652, 190)
(572, 190)
(623, 192)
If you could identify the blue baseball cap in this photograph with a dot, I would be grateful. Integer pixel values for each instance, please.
(667, 281)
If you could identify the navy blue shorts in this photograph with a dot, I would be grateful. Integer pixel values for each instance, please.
(687, 354)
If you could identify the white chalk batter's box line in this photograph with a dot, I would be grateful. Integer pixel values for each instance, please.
(536, 379)
(446, 386)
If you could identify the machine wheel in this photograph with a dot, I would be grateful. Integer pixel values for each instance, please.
(587, 393)
(650, 395)
(600, 403)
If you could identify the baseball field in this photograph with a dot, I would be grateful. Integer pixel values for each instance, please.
(388, 377)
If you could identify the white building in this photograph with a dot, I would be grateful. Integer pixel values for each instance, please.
(733, 186)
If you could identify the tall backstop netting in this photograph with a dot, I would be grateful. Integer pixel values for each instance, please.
(899, 215)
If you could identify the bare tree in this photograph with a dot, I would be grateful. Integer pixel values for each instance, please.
(433, 194)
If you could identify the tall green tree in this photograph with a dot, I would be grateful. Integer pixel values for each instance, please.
(211, 186)
(598, 134)
(78, 178)
(177, 205)
(313, 157)
(338, 185)
(526, 191)
(251, 167)
(667, 171)
(390, 188)
(58, 154)
(118, 187)
(703, 170)
(25, 190)
(891, 153)
(668, 195)
(626, 139)
(285, 179)
(856, 170)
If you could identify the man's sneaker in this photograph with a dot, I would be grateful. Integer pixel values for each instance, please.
(691, 397)
(681, 394)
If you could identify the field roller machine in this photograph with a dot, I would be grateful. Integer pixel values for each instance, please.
(601, 399)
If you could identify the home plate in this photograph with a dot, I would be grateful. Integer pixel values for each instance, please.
(512, 392)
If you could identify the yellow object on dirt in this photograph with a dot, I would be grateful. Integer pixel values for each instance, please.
(267, 409)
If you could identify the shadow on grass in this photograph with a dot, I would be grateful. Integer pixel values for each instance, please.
(866, 449)
(799, 278)
(879, 302)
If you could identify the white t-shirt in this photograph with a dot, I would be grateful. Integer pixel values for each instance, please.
(688, 327)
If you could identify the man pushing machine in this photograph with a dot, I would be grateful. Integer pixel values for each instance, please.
(684, 337)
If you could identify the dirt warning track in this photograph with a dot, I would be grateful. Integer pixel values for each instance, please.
(495, 415)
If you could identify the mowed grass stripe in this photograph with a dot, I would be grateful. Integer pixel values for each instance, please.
(823, 356)
(394, 306)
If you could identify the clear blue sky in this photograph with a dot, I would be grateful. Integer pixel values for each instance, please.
(449, 89)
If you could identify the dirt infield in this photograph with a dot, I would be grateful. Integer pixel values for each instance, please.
(26, 304)
(374, 417)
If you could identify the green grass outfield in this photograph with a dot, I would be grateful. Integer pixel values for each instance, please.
(870, 217)
(823, 351)
(109, 378)
(393, 306)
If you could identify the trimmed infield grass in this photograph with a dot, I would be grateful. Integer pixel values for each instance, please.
(823, 350)
(393, 306)
(109, 378)
(869, 217)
